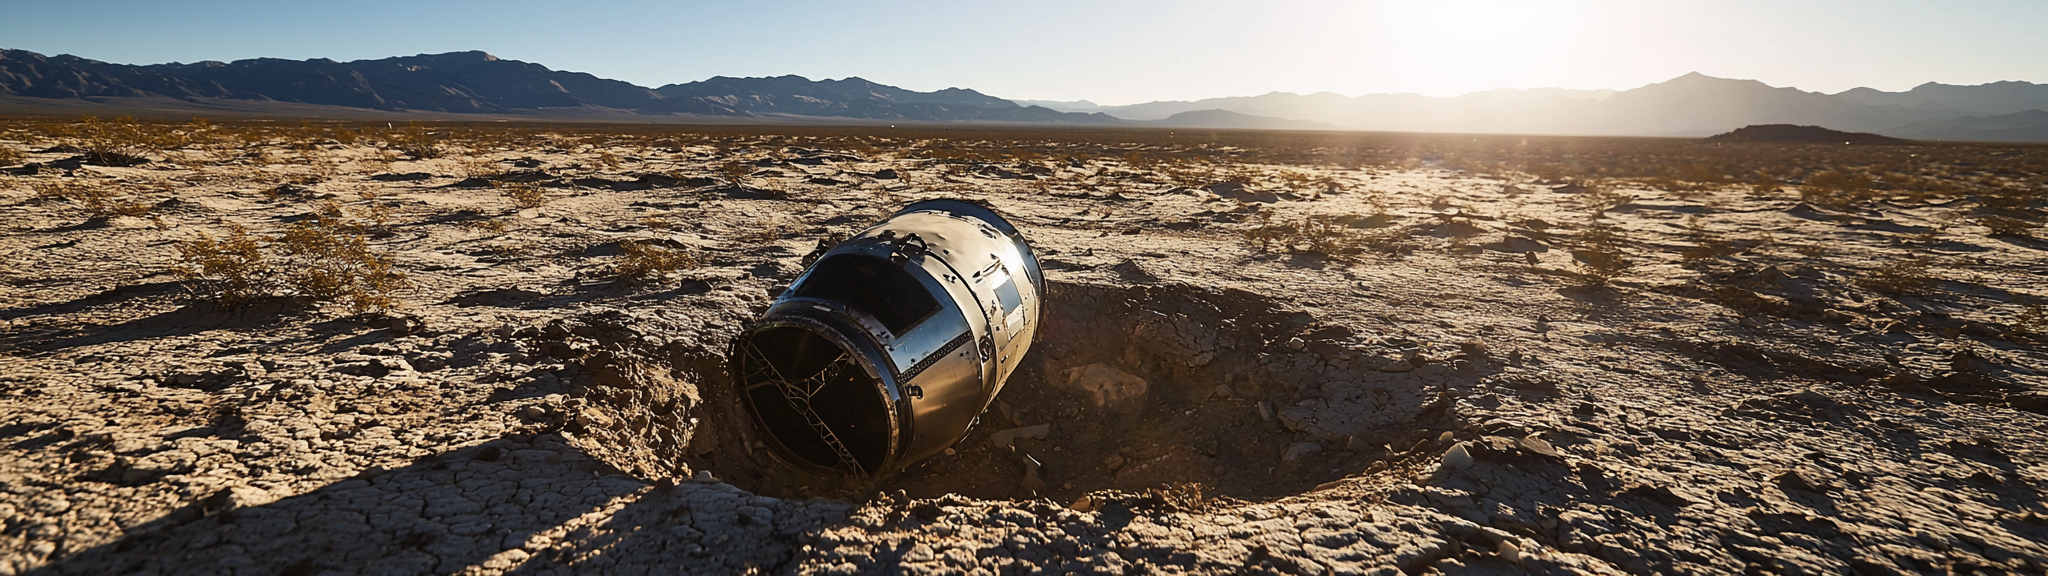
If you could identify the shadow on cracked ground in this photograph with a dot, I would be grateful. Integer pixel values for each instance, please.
(490, 507)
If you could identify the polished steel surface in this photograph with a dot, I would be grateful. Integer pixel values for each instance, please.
(888, 347)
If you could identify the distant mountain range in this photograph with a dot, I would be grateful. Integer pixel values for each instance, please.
(1690, 105)
(476, 83)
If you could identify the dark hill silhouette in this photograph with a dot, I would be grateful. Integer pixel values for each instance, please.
(1790, 134)
(479, 83)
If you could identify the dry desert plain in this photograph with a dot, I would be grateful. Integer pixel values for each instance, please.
(306, 348)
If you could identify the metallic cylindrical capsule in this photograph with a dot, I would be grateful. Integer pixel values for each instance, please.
(890, 345)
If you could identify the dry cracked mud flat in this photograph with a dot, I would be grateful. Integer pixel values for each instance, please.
(1253, 362)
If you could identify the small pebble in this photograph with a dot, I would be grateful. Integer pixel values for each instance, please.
(1300, 449)
(1458, 457)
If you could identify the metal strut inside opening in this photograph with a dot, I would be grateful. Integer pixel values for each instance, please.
(799, 392)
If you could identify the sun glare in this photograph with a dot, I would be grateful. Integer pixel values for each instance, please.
(1443, 48)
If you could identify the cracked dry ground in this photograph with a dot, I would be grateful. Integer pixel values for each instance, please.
(1453, 400)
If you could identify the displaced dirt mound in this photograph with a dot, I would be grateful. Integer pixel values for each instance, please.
(1129, 388)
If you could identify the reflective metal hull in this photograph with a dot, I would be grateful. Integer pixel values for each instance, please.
(888, 347)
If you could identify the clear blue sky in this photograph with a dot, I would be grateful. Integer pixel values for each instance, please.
(1110, 52)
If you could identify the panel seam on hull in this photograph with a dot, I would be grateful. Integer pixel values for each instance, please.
(935, 356)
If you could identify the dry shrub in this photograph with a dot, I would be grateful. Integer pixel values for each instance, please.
(524, 195)
(118, 142)
(416, 141)
(1600, 197)
(1910, 276)
(1183, 496)
(481, 169)
(315, 258)
(1835, 189)
(331, 262)
(2002, 226)
(645, 263)
(2032, 321)
(1600, 256)
(488, 226)
(97, 201)
(735, 172)
(1265, 232)
(1706, 248)
(1764, 186)
(382, 216)
(50, 190)
(764, 233)
(1310, 234)
(230, 269)
(2004, 198)
(9, 156)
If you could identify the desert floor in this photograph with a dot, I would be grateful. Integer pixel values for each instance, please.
(1419, 359)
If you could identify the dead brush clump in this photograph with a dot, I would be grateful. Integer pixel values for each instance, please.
(1707, 246)
(9, 156)
(120, 142)
(1909, 277)
(332, 262)
(523, 195)
(2009, 227)
(1599, 254)
(735, 172)
(640, 263)
(231, 269)
(1764, 186)
(2011, 199)
(1836, 189)
(416, 141)
(1601, 197)
(2031, 323)
(1183, 496)
(1309, 234)
(316, 258)
(96, 201)
(487, 225)
(1705, 249)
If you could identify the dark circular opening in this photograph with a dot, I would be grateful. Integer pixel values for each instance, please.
(814, 399)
